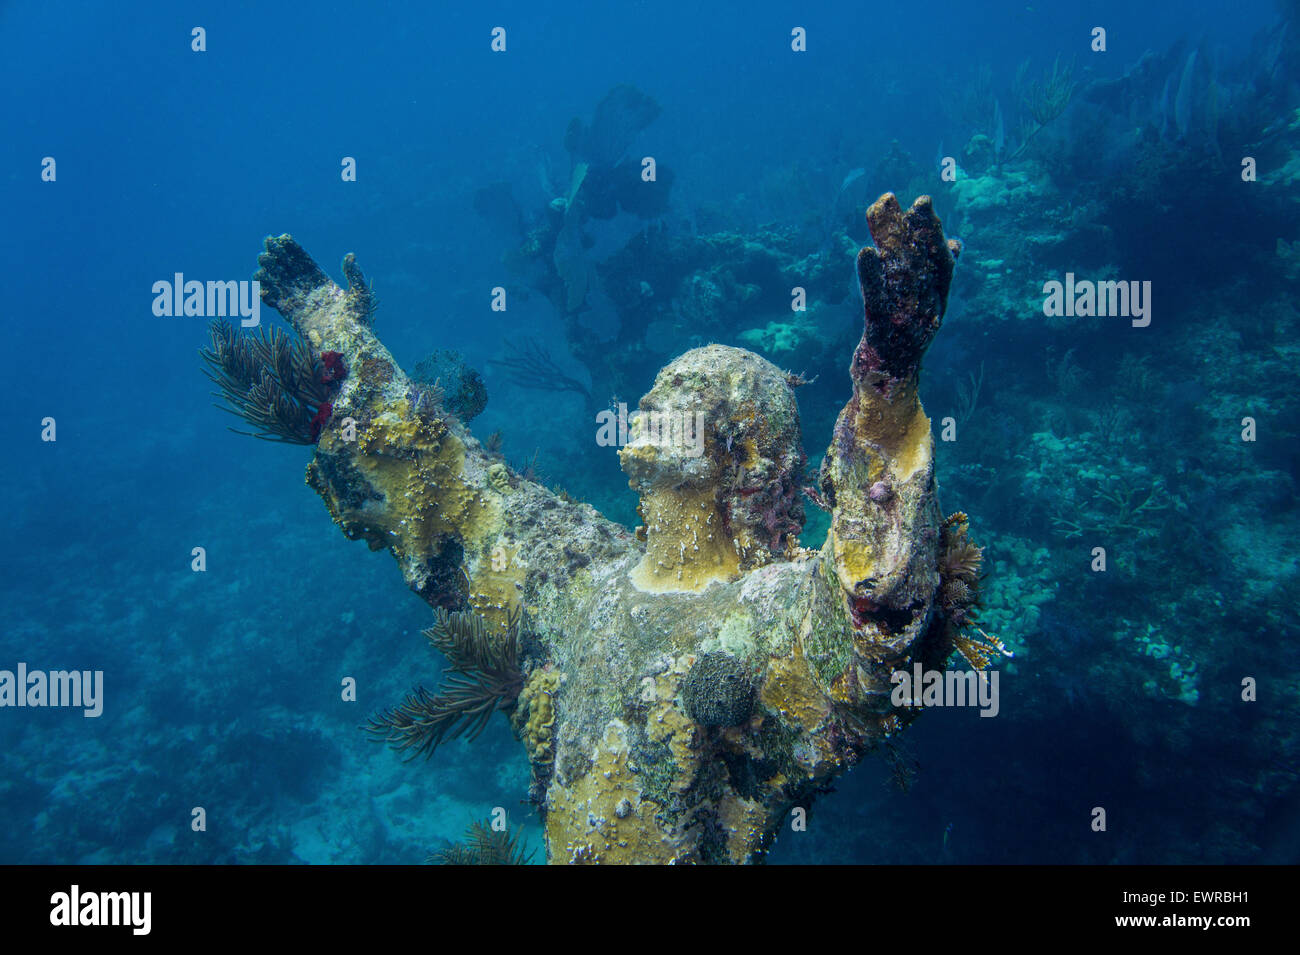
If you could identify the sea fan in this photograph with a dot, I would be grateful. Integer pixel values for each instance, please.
(532, 366)
(484, 678)
(484, 846)
(272, 381)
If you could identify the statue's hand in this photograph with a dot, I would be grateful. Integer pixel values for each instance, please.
(905, 280)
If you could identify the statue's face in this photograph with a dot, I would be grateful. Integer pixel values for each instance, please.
(667, 439)
(724, 421)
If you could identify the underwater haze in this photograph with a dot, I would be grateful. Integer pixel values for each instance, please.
(1113, 393)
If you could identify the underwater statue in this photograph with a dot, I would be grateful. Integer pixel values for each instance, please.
(682, 690)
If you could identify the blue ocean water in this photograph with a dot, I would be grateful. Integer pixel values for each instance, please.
(222, 688)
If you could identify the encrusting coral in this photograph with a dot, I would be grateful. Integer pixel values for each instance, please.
(681, 692)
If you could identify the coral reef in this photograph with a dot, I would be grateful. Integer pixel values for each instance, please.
(668, 289)
(608, 178)
(1043, 99)
(675, 698)
(1174, 160)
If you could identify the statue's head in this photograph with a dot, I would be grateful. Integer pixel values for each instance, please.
(715, 453)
